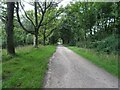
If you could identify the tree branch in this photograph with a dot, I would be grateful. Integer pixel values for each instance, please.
(40, 7)
(51, 19)
(18, 17)
(49, 5)
(50, 32)
(45, 6)
(27, 15)
(3, 18)
(43, 12)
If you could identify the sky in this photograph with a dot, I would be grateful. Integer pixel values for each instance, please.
(63, 2)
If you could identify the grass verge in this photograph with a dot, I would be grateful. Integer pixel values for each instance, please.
(107, 62)
(27, 69)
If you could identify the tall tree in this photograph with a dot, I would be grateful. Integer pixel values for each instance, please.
(40, 9)
(10, 27)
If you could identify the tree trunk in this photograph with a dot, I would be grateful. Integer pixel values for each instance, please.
(36, 28)
(44, 37)
(9, 28)
(91, 35)
(36, 39)
(44, 40)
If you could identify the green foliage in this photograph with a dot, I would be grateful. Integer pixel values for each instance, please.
(91, 25)
(107, 62)
(108, 45)
(3, 33)
(20, 36)
(27, 69)
(80, 44)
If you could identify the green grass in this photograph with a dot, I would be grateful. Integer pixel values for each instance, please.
(27, 69)
(107, 62)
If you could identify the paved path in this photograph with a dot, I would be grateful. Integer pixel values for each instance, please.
(69, 70)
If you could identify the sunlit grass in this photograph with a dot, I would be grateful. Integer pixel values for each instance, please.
(103, 60)
(27, 69)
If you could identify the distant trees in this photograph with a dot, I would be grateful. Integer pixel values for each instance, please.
(88, 24)
(84, 24)
(52, 26)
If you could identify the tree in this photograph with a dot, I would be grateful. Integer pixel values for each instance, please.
(40, 9)
(10, 27)
(47, 30)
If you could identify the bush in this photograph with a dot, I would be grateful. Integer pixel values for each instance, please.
(72, 43)
(108, 45)
(80, 44)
